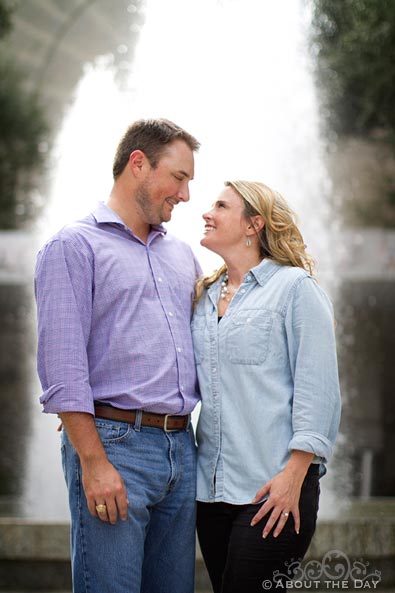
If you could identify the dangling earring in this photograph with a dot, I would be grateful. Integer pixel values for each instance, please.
(248, 242)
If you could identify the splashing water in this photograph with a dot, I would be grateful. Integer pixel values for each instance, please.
(237, 75)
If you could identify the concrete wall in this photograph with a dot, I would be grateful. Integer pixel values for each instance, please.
(34, 556)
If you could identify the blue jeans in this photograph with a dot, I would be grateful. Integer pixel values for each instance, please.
(154, 550)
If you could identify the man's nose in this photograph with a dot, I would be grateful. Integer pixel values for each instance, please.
(183, 193)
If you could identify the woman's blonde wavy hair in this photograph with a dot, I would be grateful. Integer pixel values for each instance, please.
(280, 238)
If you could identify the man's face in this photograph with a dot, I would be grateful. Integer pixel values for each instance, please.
(166, 185)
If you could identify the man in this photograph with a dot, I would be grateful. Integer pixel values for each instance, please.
(114, 294)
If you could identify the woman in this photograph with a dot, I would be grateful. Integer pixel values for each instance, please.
(264, 343)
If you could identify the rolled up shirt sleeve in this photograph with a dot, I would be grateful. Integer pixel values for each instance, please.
(64, 292)
(312, 353)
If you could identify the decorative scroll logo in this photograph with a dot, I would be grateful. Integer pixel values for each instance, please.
(335, 571)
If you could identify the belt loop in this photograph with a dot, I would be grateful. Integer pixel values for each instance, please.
(137, 423)
(188, 426)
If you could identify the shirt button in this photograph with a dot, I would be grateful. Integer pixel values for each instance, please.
(178, 349)
(243, 290)
(170, 314)
(160, 279)
(182, 387)
(214, 370)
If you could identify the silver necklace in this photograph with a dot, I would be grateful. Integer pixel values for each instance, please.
(224, 294)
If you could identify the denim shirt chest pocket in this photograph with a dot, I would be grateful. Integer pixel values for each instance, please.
(248, 336)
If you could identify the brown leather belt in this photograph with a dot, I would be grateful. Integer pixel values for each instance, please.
(166, 422)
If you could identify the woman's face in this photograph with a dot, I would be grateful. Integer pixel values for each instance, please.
(226, 225)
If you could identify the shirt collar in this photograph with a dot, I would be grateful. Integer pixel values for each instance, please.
(263, 271)
(260, 273)
(104, 215)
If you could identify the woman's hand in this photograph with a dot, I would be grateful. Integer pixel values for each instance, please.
(284, 493)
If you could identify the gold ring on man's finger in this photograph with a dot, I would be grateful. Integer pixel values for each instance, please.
(101, 508)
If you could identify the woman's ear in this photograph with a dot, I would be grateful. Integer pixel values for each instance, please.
(256, 224)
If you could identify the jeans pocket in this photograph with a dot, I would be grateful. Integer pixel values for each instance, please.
(111, 431)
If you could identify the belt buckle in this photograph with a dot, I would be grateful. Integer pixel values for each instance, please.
(165, 425)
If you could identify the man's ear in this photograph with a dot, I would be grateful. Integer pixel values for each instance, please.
(137, 163)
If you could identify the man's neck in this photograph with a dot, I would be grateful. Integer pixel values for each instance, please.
(129, 216)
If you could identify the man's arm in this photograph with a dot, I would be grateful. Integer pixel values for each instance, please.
(64, 280)
(64, 291)
(101, 481)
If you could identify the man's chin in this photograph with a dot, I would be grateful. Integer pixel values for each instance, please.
(166, 217)
(162, 217)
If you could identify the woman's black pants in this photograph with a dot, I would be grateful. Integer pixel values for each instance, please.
(237, 558)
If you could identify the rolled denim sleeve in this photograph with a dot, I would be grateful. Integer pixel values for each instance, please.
(312, 351)
(63, 290)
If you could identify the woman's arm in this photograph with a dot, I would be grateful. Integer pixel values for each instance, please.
(284, 493)
(309, 329)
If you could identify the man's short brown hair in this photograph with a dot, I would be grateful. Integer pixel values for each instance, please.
(151, 136)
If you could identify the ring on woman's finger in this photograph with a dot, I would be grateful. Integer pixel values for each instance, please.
(285, 514)
(101, 508)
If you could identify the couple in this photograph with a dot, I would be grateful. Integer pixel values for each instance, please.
(116, 360)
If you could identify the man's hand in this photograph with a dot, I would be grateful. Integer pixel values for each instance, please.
(103, 485)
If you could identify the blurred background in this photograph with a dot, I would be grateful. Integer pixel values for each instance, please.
(299, 94)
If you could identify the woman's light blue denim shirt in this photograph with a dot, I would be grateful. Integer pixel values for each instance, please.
(268, 379)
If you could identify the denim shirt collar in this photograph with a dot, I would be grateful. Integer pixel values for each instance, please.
(263, 271)
(260, 274)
